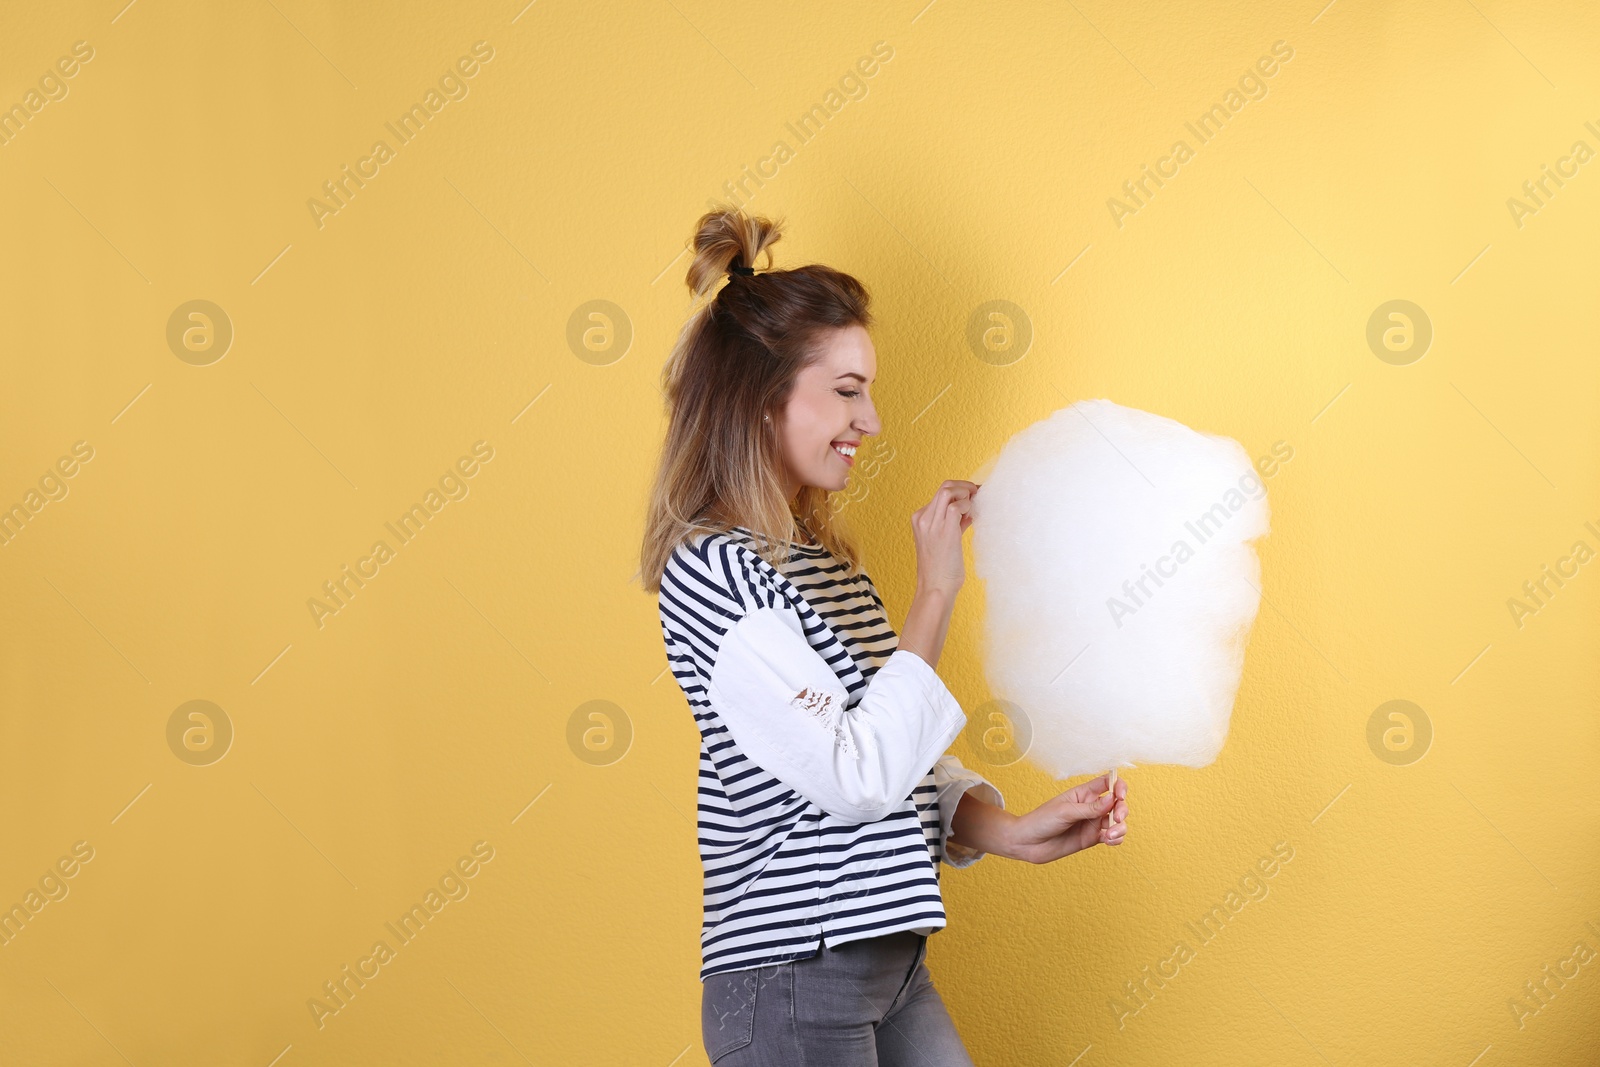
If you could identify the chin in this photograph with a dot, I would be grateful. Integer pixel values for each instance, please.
(830, 485)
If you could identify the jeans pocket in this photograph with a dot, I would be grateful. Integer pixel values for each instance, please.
(728, 1010)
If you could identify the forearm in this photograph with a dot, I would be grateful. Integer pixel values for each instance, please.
(981, 825)
(927, 623)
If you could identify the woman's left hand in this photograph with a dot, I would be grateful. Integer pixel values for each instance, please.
(1072, 821)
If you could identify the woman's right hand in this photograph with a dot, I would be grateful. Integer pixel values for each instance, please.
(937, 528)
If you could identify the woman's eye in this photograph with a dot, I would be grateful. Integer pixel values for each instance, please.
(847, 393)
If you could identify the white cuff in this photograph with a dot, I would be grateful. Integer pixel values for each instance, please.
(953, 782)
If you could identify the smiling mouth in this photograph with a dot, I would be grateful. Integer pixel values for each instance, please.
(845, 451)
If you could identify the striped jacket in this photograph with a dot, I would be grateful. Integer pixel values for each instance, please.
(824, 803)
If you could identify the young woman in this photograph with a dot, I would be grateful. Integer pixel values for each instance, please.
(826, 804)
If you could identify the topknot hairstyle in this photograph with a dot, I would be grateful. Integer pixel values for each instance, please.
(735, 361)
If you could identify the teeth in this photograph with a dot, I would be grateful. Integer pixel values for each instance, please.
(848, 450)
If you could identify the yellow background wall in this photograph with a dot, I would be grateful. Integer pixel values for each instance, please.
(445, 304)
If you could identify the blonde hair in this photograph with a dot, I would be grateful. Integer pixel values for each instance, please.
(735, 361)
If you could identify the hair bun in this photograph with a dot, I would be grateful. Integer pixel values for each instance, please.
(727, 242)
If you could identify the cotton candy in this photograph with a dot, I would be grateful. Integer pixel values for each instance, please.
(1120, 585)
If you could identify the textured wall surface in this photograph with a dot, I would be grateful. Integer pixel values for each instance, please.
(251, 320)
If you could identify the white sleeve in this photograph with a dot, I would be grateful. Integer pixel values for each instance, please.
(786, 710)
(953, 781)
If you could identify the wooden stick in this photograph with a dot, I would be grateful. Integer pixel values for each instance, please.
(1111, 787)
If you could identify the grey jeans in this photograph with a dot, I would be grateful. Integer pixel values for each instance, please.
(867, 1003)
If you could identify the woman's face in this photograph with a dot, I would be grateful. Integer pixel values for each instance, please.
(828, 412)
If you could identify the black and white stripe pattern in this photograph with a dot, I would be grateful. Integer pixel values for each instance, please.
(780, 874)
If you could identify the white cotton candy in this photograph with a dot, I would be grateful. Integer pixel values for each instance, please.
(1076, 512)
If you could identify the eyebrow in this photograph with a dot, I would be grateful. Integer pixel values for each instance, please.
(853, 374)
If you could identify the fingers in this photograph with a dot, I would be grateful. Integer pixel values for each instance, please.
(956, 490)
(1089, 790)
(954, 497)
(1078, 810)
(952, 491)
(949, 509)
(944, 520)
(1118, 828)
(924, 518)
(1111, 803)
(1119, 812)
(1098, 787)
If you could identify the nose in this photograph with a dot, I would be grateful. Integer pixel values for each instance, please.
(869, 423)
